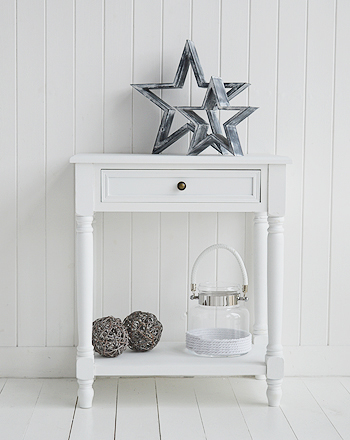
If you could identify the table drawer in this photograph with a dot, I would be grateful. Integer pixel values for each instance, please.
(137, 186)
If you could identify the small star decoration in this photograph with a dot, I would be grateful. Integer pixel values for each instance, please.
(216, 98)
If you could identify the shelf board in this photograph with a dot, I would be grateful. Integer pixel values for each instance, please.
(173, 359)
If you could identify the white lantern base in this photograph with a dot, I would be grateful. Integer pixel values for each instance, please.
(218, 342)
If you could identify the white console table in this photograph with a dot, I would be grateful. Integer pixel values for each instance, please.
(150, 183)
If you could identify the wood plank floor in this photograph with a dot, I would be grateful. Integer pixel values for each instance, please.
(175, 409)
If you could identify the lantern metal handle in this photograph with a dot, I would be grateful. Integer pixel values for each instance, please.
(239, 260)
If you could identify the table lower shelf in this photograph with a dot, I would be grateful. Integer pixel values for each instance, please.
(173, 359)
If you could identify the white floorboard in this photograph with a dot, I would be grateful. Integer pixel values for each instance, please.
(17, 402)
(304, 414)
(334, 399)
(164, 408)
(98, 422)
(219, 409)
(264, 422)
(179, 415)
(54, 410)
(137, 412)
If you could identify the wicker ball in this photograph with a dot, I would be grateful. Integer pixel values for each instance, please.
(109, 336)
(144, 330)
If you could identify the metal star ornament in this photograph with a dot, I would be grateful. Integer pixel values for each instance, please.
(189, 57)
(216, 99)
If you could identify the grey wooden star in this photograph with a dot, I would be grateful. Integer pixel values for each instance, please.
(216, 99)
(189, 57)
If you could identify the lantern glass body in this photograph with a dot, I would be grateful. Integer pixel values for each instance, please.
(218, 316)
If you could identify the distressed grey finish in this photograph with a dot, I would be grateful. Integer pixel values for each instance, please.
(216, 98)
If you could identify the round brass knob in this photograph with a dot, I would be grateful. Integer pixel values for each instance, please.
(181, 186)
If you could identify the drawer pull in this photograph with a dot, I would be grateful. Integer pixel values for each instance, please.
(181, 186)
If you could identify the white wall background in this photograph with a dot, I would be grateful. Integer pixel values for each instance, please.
(66, 68)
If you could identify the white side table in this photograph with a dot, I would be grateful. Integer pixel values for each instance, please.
(149, 183)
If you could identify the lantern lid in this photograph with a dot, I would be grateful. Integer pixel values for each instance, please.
(218, 295)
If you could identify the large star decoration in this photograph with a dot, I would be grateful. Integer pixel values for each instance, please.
(216, 98)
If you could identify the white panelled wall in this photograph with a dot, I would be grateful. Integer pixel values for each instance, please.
(66, 69)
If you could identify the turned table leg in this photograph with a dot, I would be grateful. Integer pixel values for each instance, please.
(84, 274)
(260, 281)
(274, 351)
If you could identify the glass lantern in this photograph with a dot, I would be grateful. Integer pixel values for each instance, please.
(219, 326)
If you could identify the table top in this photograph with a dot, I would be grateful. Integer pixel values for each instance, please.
(178, 160)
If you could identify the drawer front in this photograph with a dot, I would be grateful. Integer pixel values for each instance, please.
(152, 186)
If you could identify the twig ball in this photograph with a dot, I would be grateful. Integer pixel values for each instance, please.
(144, 330)
(109, 336)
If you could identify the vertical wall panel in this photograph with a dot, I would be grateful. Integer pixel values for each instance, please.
(176, 30)
(147, 69)
(202, 234)
(290, 141)
(318, 165)
(118, 76)
(117, 264)
(235, 55)
(340, 276)
(174, 285)
(89, 106)
(89, 76)
(263, 76)
(206, 36)
(118, 71)
(8, 318)
(231, 231)
(31, 173)
(145, 262)
(60, 174)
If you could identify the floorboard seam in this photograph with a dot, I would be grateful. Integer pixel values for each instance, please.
(71, 425)
(156, 392)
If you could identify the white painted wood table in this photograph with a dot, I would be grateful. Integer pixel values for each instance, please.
(149, 183)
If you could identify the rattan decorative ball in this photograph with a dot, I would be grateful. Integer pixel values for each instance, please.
(109, 336)
(144, 330)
